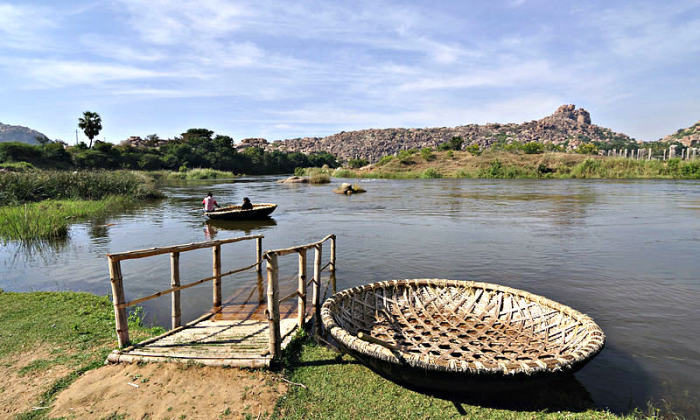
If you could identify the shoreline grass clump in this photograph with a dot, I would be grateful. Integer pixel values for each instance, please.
(29, 186)
(315, 175)
(42, 204)
(196, 173)
(49, 219)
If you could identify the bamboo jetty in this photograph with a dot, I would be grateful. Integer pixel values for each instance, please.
(250, 334)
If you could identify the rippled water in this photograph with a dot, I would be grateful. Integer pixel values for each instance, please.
(627, 253)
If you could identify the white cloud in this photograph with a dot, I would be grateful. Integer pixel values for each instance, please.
(24, 27)
(54, 73)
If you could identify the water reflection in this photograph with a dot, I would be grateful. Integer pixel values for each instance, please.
(211, 227)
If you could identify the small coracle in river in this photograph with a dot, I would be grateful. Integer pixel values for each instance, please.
(259, 211)
(437, 333)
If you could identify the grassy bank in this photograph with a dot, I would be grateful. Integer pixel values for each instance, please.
(337, 387)
(500, 164)
(191, 174)
(41, 204)
(47, 340)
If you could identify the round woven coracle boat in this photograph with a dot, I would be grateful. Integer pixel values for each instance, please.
(412, 330)
(259, 211)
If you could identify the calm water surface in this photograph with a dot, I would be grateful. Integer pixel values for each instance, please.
(626, 253)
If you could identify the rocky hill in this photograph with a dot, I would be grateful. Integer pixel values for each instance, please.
(568, 126)
(689, 137)
(20, 134)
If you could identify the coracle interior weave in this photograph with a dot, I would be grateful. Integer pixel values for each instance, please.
(461, 326)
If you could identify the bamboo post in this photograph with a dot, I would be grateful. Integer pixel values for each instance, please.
(273, 308)
(316, 289)
(258, 254)
(176, 316)
(332, 266)
(120, 318)
(216, 272)
(301, 310)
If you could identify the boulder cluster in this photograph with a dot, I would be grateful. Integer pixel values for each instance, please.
(568, 126)
(688, 137)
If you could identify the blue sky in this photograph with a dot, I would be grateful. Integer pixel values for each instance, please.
(312, 68)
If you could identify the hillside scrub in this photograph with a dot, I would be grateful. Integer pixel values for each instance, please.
(506, 165)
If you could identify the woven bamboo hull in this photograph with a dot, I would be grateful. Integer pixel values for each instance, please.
(458, 384)
(259, 211)
(439, 334)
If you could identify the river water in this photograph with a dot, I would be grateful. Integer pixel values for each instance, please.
(627, 253)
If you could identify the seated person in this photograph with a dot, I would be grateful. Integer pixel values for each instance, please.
(246, 204)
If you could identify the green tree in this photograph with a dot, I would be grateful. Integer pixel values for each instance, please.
(91, 124)
(533, 148)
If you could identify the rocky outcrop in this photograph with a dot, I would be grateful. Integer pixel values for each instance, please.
(21, 134)
(688, 137)
(568, 126)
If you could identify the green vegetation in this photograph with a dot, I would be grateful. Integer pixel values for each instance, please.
(533, 147)
(506, 165)
(28, 186)
(67, 329)
(197, 173)
(455, 143)
(430, 173)
(49, 219)
(587, 149)
(427, 154)
(337, 387)
(474, 149)
(196, 148)
(357, 163)
(41, 204)
(91, 124)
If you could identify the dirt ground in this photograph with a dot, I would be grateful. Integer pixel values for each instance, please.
(170, 391)
(19, 393)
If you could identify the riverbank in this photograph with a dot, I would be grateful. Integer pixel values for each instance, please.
(40, 204)
(501, 164)
(53, 344)
(48, 340)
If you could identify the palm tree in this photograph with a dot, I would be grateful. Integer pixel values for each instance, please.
(91, 124)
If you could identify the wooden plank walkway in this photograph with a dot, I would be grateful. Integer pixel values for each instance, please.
(237, 335)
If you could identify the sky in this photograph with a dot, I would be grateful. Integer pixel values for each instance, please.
(312, 68)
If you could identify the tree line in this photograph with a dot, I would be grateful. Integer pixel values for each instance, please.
(195, 148)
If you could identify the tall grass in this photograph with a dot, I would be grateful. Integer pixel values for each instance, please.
(49, 219)
(316, 175)
(30, 186)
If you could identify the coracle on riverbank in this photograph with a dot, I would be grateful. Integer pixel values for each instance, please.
(434, 333)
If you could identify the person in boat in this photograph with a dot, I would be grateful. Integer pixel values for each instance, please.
(209, 203)
(247, 205)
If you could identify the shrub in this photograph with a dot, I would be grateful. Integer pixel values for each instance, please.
(427, 154)
(357, 163)
(455, 143)
(430, 173)
(384, 160)
(587, 149)
(474, 149)
(533, 147)
(450, 154)
(406, 156)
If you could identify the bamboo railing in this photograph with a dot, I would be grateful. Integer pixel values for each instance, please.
(273, 300)
(115, 275)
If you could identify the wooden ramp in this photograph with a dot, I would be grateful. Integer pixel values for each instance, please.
(237, 335)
